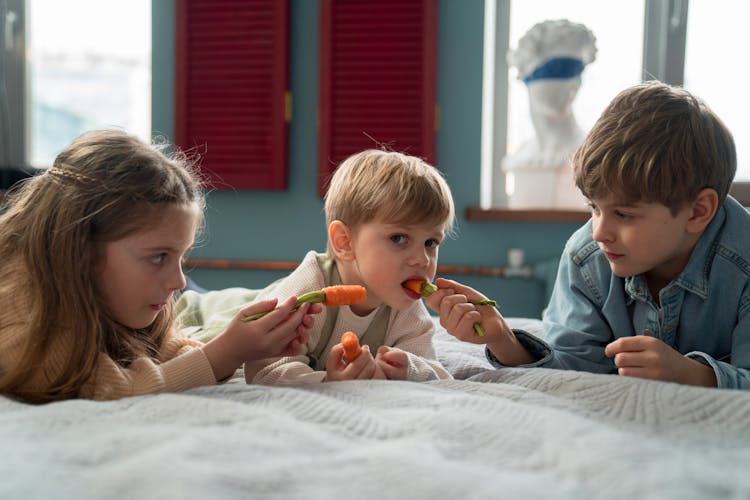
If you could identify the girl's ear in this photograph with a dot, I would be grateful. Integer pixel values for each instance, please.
(339, 237)
(703, 210)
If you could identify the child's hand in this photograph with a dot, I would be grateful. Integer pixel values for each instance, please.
(296, 346)
(393, 362)
(452, 301)
(281, 330)
(643, 356)
(362, 368)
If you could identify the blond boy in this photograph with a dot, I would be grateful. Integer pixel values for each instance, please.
(386, 214)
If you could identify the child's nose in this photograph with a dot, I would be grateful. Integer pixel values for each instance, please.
(600, 229)
(177, 279)
(420, 257)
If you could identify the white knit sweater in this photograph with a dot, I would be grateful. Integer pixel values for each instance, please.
(410, 330)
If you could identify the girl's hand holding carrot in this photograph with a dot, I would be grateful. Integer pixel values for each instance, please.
(331, 296)
(283, 329)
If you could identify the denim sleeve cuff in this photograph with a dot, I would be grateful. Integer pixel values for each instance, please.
(538, 349)
(723, 379)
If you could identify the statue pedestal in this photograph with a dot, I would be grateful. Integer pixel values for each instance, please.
(543, 187)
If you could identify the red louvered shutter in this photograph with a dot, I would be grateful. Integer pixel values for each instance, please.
(231, 81)
(377, 79)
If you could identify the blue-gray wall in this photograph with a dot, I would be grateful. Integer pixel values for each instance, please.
(258, 225)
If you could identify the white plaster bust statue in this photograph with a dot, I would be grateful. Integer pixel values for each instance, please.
(549, 59)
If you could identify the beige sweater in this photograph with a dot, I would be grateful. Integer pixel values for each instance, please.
(410, 330)
(182, 364)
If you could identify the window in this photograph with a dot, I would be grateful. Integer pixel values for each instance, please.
(648, 39)
(88, 67)
(715, 73)
(618, 38)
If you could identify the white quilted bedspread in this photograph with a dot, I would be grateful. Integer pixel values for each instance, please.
(512, 433)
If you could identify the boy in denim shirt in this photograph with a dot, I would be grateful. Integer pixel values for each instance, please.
(656, 285)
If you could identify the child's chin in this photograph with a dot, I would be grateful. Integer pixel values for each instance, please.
(141, 323)
(620, 272)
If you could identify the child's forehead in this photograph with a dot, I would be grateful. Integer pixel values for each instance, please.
(429, 227)
(613, 201)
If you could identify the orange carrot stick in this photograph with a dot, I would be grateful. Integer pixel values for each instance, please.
(350, 343)
(336, 295)
(344, 295)
(418, 286)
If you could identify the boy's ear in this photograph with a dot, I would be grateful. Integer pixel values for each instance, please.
(703, 210)
(339, 237)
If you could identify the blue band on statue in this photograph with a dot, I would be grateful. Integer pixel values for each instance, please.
(557, 67)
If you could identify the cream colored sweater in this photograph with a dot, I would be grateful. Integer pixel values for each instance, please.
(181, 363)
(410, 330)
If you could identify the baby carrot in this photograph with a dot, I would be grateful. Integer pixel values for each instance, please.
(350, 343)
(425, 289)
(344, 295)
(336, 295)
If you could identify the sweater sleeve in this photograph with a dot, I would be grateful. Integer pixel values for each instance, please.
(185, 366)
(291, 370)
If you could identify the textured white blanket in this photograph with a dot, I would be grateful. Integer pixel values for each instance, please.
(512, 433)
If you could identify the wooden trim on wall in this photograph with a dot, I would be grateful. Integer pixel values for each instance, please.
(477, 214)
(284, 265)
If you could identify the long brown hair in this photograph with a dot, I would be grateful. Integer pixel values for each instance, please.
(104, 186)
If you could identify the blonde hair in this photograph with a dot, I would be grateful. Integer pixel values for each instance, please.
(388, 186)
(656, 143)
(103, 187)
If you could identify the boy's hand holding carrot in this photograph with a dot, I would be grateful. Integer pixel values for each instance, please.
(453, 302)
(350, 361)
(425, 289)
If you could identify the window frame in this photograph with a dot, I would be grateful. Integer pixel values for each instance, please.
(15, 96)
(14, 105)
(665, 34)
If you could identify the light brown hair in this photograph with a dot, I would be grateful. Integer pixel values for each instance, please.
(104, 186)
(391, 187)
(656, 143)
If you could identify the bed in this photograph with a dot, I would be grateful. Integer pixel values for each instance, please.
(511, 433)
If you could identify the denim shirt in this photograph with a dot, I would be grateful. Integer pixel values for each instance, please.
(704, 313)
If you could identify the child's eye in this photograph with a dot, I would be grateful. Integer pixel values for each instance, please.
(622, 215)
(431, 243)
(398, 239)
(158, 258)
